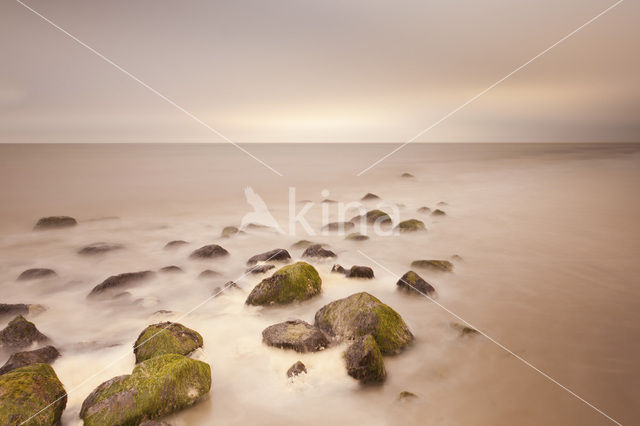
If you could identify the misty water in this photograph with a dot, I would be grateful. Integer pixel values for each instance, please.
(548, 236)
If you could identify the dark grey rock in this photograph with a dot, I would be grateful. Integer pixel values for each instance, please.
(316, 250)
(209, 251)
(120, 281)
(37, 273)
(360, 272)
(99, 248)
(20, 333)
(364, 360)
(45, 355)
(276, 255)
(296, 369)
(297, 335)
(414, 283)
(54, 222)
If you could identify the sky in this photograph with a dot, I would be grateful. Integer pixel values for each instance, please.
(319, 71)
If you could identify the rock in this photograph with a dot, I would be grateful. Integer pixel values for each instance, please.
(361, 314)
(364, 360)
(120, 281)
(45, 355)
(260, 269)
(154, 423)
(31, 394)
(37, 273)
(209, 252)
(413, 283)
(53, 222)
(171, 269)
(464, 330)
(438, 265)
(442, 203)
(297, 335)
(166, 338)
(229, 284)
(356, 236)
(339, 269)
(175, 244)
(456, 257)
(338, 226)
(156, 388)
(299, 281)
(369, 196)
(296, 369)
(20, 333)
(424, 210)
(411, 225)
(407, 175)
(229, 231)
(316, 250)
(438, 212)
(13, 309)
(99, 248)
(374, 216)
(406, 396)
(302, 244)
(276, 255)
(360, 272)
(208, 273)
(328, 201)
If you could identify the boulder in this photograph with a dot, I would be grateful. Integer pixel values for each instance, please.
(120, 281)
(436, 265)
(31, 394)
(99, 248)
(276, 255)
(37, 273)
(361, 314)
(438, 212)
(364, 360)
(299, 281)
(296, 369)
(260, 269)
(175, 244)
(464, 330)
(166, 338)
(411, 225)
(406, 396)
(45, 355)
(338, 269)
(13, 309)
(229, 231)
(360, 272)
(171, 269)
(356, 236)
(297, 335)
(208, 273)
(442, 203)
(413, 283)
(157, 387)
(424, 210)
(228, 285)
(369, 196)
(338, 226)
(20, 333)
(374, 216)
(407, 175)
(54, 222)
(316, 250)
(302, 244)
(209, 251)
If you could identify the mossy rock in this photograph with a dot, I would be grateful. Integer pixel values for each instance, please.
(34, 390)
(53, 222)
(364, 360)
(374, 216)
(299, 281)
(166, 338)
(36, 273)
(297, 335)
(414, 283)
(411, 225)
(20, 333)
(361, 314)
(356, 236)
(156, 388)
(437, 265)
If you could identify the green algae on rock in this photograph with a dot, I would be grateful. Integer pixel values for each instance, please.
(364, 360)
(438, 265)
(299, 281)
(411, 225)
(361, 314)
(374, 216)
(32, 393)
(156, 388)
(412, 282)
(166, 338)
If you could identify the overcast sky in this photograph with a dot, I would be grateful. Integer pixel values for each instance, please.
(319, 71)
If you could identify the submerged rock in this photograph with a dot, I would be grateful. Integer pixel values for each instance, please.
(413, 283)
(297, 335)
(13, 309)
(45, 355)
(329, 201)
(361, 314)
(166, 338)
(53, 222)
(36, 273)
(464, 330)
(374, 216)
(156, 388)
(175, 244)
(120, 281)
(424, 210)
(356, 236)
(302, 244)
(260, 269)
(369, 196)
(437, 265)
(338, 269)
(438, 212)
(228, 285)
(407, 175)
(296, 369)
(31, 394)
(406, 395)
(208, 273)
(442, 203)
(338, 226)
(229, 231)
(276, 255)
(316, 250)
(20, 333)
(364, 360)
(99, 248)
(209, 251)
(171, 269)
(299, 281)
(411, 225)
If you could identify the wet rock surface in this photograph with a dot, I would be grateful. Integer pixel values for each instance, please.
(45, 355)
(411, 225)
(369, 196)
(373, 216)
(296, 369)
(229, 231)
(438, 212)
(297, 335)
(356, 236)
(338, 226)
(364, 360)
(171, 269)
(13, 309)
(414, 283)
(208, 273)
(166, 338)
(297, 282)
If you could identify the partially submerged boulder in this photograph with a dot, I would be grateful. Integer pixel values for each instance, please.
(406, 396)
(338, 269)
(229, 231)
(175, 244)
(407, 175)
(13, 309)
(54, 222)
(208, 273)
(364, 360)
(276, 255)
(36, 273)
(156, 388)
(438, 212)
(359, 272)
(413, 283)
(166, 338)
(356, 236)
(45, 355)
(20, 333)
(338, 226)
(296, 369)
(464, 330)
(120, 281)
(171, 269)
(31, 394)
(317, 251)
(299, 281)
(209, 251)
(302, 244)
(297, 335)
(424, 210)
(260, 269)
(374, 216)
(361, 314)
(99, 248)
(436, 265)
(411, 225)
(369, 196)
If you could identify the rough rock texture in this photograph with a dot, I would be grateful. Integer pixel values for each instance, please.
(364, 360)
(166, 338)
(338, 226)
(44, 355)
(374, 216)
(171, 269)
(369, 196)
(99, 248)
(338, 269)
(175, 244)
(424, 210)
(229, 231)
(156, 388)
(299, 281)
(302, 244)
(208, 273)
(297, 335)
(360, 272)
(260, 269)
(413, 283)
(276, 255)
(20, 333)
(438, 212)
(296, 369)
(316, 250)
(210, 251)
(30, 390)
(13, 309)
(356, 236)
(36, 273)
(120, 281)
(53, 222)
(361, 314)
(411, 225)
(437, 265)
